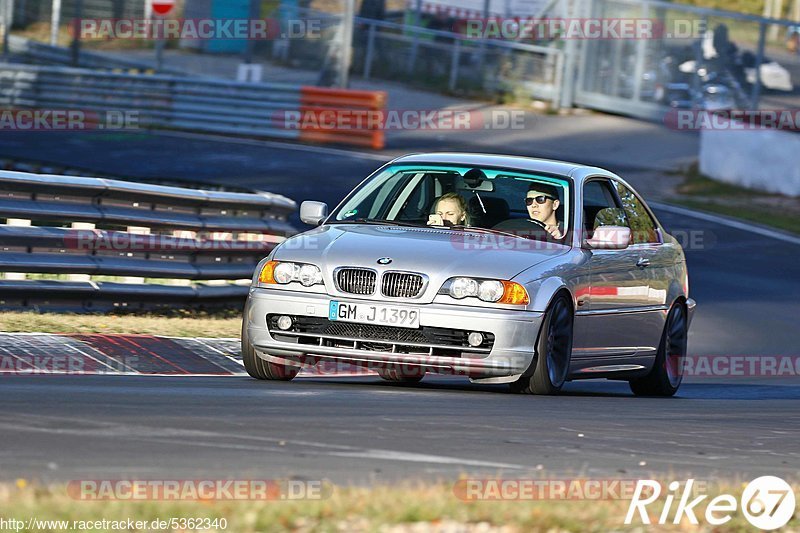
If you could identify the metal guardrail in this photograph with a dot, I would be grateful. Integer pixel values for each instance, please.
(80, 228)
(41, 53)
(195, 104)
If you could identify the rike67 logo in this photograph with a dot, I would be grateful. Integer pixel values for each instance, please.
(767, 502)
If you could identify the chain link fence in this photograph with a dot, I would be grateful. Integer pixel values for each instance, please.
(700, 58)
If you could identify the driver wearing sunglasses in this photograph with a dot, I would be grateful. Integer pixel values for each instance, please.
(542, 203)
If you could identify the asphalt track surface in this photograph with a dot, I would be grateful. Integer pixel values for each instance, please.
(362, 430)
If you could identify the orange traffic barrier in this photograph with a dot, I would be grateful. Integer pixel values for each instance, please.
(342, 116)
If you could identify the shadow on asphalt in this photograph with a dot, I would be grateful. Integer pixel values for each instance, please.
(596, 389)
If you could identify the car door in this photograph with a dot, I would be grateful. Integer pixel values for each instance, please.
(618, 293)
(655, 261)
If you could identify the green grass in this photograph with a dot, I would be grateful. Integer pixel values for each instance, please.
(176, 324)
(422, 507)
(705, 194)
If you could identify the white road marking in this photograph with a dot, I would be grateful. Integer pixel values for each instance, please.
(725, 221)
(391, 455)
(193, 438)
(280, 144)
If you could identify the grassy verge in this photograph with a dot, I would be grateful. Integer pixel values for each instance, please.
(409, 508)
(703, 193)
(176, 324)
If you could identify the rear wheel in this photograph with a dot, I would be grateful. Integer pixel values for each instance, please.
(667, 373)
(261, 369)
(550, 367)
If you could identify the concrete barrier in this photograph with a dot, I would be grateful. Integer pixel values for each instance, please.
(762, 159)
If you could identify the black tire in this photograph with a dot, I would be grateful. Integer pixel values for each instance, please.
(260, 369)
(550, 367)
(396, 376)
(667, 374)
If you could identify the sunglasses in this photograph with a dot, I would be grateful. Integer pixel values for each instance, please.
(538, 199)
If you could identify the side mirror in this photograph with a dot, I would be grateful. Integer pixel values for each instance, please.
(313, 213)
(610, 238)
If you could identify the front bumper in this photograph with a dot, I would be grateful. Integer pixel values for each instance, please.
(514, 336)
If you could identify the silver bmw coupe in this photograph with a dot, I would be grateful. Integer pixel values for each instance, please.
(503, 269)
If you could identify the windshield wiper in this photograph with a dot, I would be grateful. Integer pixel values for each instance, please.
(478, 229)
(377, 222)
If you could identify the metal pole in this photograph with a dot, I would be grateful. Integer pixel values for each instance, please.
(347, 43)
(8, 21)
(755, 95)
(574, 59)
(55, 22)
(370, 51)
(412, 58)
(482, 49)
(76, 34)
(255, 13)
(777, 12)
(697, 97)
(641, 49)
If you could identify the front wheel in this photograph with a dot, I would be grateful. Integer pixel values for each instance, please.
(550, 367)
(667, 373)
(261, 369)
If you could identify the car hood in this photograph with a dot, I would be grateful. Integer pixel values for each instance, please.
(438, 253)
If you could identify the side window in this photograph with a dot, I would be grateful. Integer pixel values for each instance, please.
(600, 207)
(643, 228)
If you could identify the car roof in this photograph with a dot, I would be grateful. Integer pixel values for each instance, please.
(527, 164)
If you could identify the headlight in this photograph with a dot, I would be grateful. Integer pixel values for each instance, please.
(487, 290)
(463, 287)
(282, 273)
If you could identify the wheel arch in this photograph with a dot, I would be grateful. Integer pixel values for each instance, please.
(544, 291)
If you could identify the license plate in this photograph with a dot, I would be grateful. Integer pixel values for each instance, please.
(384, 315)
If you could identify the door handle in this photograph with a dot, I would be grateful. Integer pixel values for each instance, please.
(643, 262)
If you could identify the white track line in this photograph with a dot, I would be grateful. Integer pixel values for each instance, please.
(279, 144)
(730, 222)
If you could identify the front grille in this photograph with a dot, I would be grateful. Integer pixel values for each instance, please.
(356, 280)
(375, 333)
(426, 339)
(402, 285)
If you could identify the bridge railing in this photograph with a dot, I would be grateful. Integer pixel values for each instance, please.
(94, 244)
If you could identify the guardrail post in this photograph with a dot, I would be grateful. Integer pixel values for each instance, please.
(370, 51)
(454, 65)
(17, 222)
(558, 77)
(412, 58)
(81, 226)
(136, 230)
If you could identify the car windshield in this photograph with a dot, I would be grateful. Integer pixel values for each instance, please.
(528, 205)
